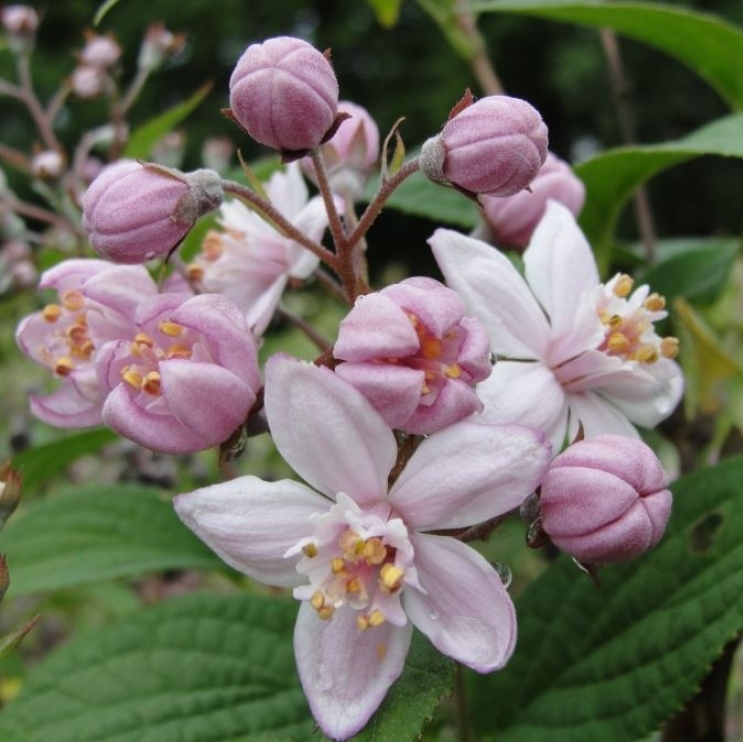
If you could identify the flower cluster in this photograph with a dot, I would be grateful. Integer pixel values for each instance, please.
(433, 415)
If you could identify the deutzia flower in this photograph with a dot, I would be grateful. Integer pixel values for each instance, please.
(570, 350)
(358, 552)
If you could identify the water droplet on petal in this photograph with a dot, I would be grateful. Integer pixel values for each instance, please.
(504, 572)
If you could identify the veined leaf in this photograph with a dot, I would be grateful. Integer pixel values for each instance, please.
(705, 43)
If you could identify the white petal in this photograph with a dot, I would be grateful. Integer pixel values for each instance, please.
(346, 672)
(597, 416)
(494, 293)
(327, 432)
(560, 267)
(251, 524)
(467, 613)
(468, 473)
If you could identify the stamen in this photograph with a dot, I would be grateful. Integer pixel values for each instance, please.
(195, 272)
(623, 286)
(326, 612)
(362, 623)
(178, 351)
(375, 551)
(654, 303)
(142, 338)
(131, 377)
(63, 366)
(390, 577)
(338, 565)
(310, 550)
(317, 601)
(376, 618)
(212, 246)
(51, 312)
(647, 354)
(669, 347)
(171, 329)
(431, 348)
(353, 585)
(618, 343)
(72, 300)
(453, 371)
(151, 383)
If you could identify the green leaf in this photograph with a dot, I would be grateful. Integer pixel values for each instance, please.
(38, 465)
(613, 662)
(203, 668)
(97, 533)
(693, 268)
(386, 11)
(10, 642)
(145, 137)
(704, 42)
(103, 10)
(613, 176)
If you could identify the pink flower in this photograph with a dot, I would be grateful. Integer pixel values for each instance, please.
(494, 147)
(249, 262)
(96, 304)
(284, 93)
(413, 354)
(512, 220)
(605, 500)
(102, 52)
(134, 213)
(187, 378)
(570, 350)
(357, 551)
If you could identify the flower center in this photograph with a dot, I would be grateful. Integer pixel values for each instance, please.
(358, 559)
(628, 320)
(68, 345)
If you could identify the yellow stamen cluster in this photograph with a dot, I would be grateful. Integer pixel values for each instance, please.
(623, 286)
(79, 346)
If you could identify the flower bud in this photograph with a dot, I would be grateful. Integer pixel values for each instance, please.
(351, 153)
(605, 500)
(87, 82)
(102, 52)
(134, 213)
(512, 220)
(20, 23)
(48, 164)
(493, 147)
(10, 492)
(284, 93)
(157, 45)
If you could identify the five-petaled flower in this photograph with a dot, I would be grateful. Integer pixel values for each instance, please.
(358, 552)
(588, 352)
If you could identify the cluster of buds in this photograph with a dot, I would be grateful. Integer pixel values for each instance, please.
(96, 61)
(402, 428)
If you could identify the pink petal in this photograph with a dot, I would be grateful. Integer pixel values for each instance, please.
(251, 524)
(494, 292)
(345, 672)
(66, 408)
(327, 431)
(376, 327)
(437, 307)
(560, 267)
(468, 473)
(456, 401)
(509, 395)
(466, 613)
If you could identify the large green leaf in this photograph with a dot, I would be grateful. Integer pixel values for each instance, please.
(705, 43)
(613, 662)
(96, 533)
(39, 465)
(613, 176)
(146, 136)
(204, 668)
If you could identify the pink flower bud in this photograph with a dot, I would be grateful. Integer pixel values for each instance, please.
(605, 499)
(512, 220)
(19, 20)
(48, 164)
(134, 213)
(87, 81)
(158, 45)
(284, 93)
(351, 153)
(102, 52)
(413, 354)
(493, 147)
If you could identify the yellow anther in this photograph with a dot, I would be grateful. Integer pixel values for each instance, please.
(83, 349)
(72, 300)
(618, 343)
(614, 321)
(413, 320)
(142, 338)
(195, 272)
(178, 351)
(76, 333)
(362, 623)
(338, 565)
(63, 366)
(648, 354)
(317, 601)
(390, 577)
(375, 552)
(453, 371)
(669, 347)
(326, 612)
(51, 312)
(376, 618)
(310, 550)
(213, 245)
(654, 303)
(425, 389)
(353, 585)
(349, 541)
(623, 286)
(151, 383)
(171, 329)
(131, 377)
(431, 348)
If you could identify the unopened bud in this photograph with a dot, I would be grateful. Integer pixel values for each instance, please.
(157, 46)
(87, 82)
(134, 212)
(20, 23)
(102, 52)
(284, 93)
(512, 220)
(605, 499)
(494, 147)
(10, 492)
(48, 164)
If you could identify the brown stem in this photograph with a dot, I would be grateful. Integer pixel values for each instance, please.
(621, 95)
(280, 222)
(40, 214)
(15, 158)
(322, 343)
(330, 285)
(34, 107)
(334, 219)
(466, 733)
